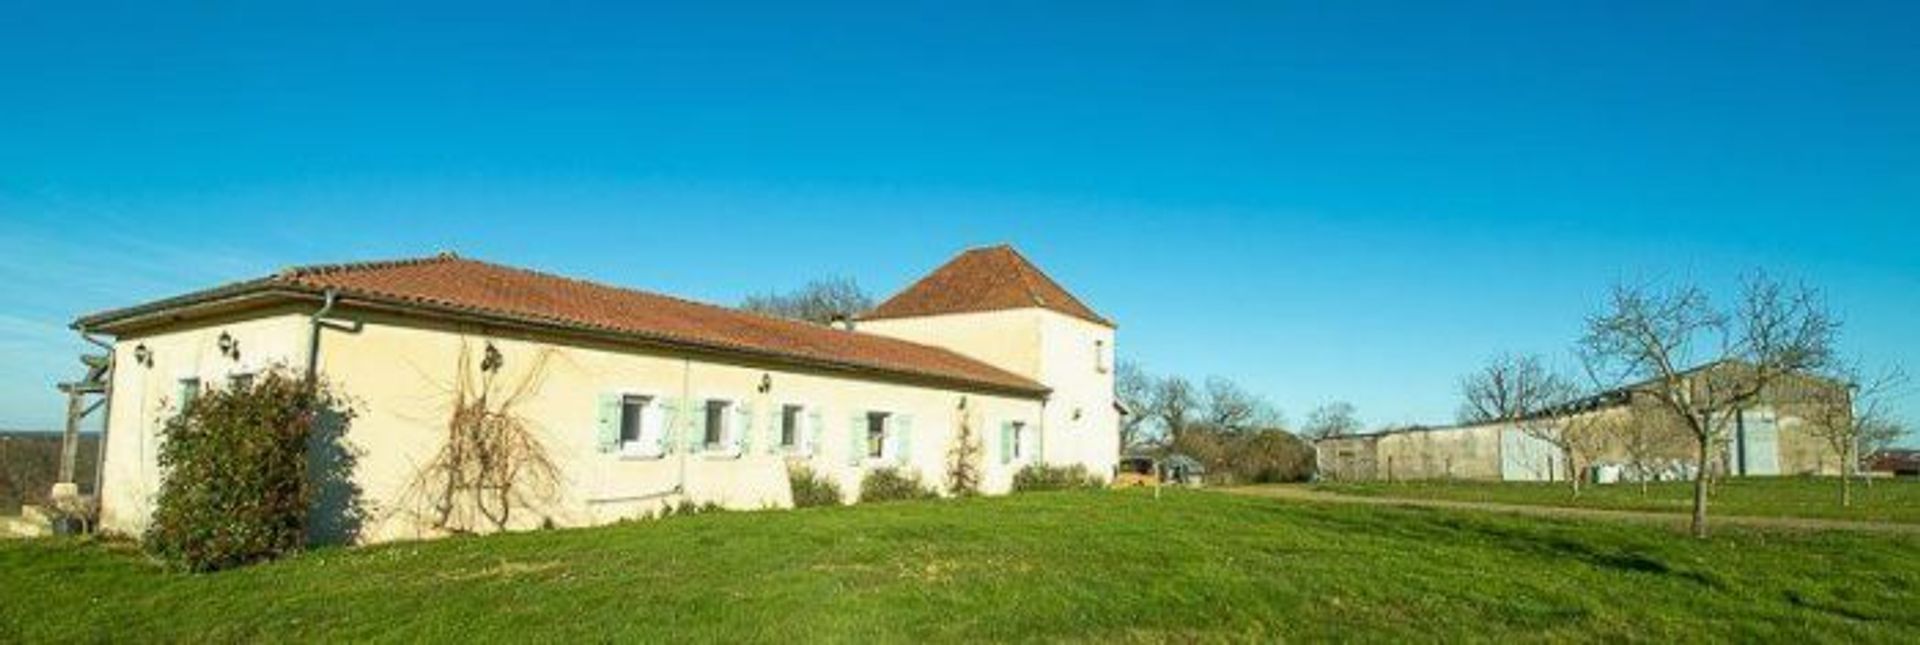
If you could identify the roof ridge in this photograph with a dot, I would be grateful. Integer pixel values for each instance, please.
(1020, 272)
(778, 320)
(301, 271)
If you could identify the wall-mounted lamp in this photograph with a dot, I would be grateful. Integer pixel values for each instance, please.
(491, 360)
(963, 401)
(766, 383)
(142, 355)
(1076, 414)
(229, 347)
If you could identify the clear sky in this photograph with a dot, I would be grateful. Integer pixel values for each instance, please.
(1329, 200)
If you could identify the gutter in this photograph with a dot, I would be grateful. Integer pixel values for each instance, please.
(316, 322)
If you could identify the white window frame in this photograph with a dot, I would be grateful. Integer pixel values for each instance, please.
(653, 427)
(889, 449)
(729, 444)
(802, 443)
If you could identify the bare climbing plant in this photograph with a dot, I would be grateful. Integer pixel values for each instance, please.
(492, 461)
(963, 459)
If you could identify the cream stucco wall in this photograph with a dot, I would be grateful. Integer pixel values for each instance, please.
(144, 396)
(1081, 425)
(399, 373)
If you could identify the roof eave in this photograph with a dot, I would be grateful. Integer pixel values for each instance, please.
(266, 291)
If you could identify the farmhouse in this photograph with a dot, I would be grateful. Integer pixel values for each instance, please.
(638, 400)
(1640, 441)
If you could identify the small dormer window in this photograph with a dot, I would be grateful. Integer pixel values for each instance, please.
(1100, 359)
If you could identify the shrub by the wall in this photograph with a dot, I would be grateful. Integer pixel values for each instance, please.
(235, 487)
(812, 489)
(888, 484)
(1042, 477)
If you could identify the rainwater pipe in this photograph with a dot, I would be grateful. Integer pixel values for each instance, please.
(317, 321)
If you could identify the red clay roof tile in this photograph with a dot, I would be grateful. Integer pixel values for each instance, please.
(995, 278)
(482, 288)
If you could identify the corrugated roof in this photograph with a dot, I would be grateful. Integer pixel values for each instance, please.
(450, 283)
(995, 278)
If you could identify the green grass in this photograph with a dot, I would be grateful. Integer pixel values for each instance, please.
(1886, 501)
(1087, 566)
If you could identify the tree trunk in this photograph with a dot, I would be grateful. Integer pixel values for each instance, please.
(1846, 477)
(1700, 490)
(1573, 472)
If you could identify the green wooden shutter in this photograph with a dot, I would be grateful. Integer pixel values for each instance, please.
(653, 422)
(189, 390)
(814, 426)
(856, 439)
(743, 427)
(693, 422)
(903, 437)
(1006, 442)
(669, 424)
(609, 417)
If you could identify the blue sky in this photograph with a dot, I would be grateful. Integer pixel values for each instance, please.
(1348, 200)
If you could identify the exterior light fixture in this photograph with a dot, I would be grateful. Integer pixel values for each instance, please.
(963, 402)
(766, 383)
(229, 347)
(492, 360)
(142, 355)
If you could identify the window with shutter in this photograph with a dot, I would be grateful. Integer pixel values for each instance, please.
(902, 425)
(813, 431)
(876, 447)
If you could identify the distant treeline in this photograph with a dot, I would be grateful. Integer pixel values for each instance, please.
(30, 462)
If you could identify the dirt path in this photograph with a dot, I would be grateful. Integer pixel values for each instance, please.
(1675, 520)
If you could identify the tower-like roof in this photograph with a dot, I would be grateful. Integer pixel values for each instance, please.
(994, 278)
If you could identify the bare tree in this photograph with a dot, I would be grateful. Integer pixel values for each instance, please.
(1647, 434)
(1134, 389)
(1336, 419)
(1521, 392)
(1854, 420)
(1174, 406)
(820, 301)
(1231, 408)
(1649, 337)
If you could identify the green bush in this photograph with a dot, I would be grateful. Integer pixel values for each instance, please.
(812, 489)
(1042, 477)
(235, 486)
(889, 485)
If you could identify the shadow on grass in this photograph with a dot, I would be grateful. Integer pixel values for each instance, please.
(1544, 538)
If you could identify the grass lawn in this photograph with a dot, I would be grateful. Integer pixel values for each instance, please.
(1886, 501)
(1090, 566)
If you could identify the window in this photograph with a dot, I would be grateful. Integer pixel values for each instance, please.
(790, 426)
(633, 420)
(189, 391)
(877, 434)
(1019, 438)
(716, 434)
(240, 381)
(1100, 356)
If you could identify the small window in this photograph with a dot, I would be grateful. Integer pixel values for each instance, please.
(877, 434)
(633, 421)
(189, 391)
(1019, 439)
(790, 426)
(1100, 363)
(241, 381)
(716, 435)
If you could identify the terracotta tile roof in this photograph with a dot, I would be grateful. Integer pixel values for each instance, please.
(450, 283)
(994, 278)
